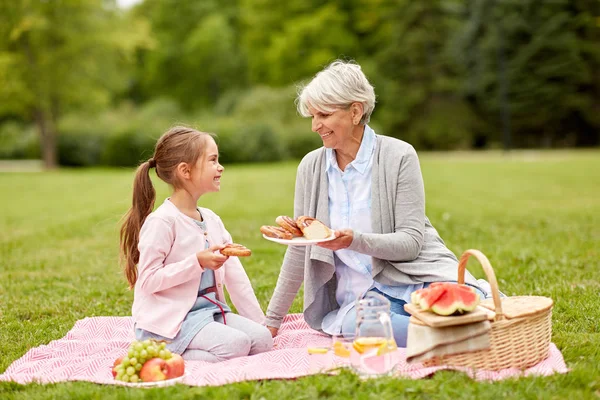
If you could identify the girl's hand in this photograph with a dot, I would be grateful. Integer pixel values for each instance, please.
(343, 239)
(210, 258)
(273, 331)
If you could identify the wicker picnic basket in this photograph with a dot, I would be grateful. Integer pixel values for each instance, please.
(521, 329)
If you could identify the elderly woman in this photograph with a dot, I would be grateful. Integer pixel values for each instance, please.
(369, 189)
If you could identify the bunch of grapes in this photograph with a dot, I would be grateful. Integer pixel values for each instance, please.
(139, 352)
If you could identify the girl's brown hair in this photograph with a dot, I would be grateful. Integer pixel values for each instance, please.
(179, 144)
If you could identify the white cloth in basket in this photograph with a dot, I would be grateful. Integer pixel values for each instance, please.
(425, 342)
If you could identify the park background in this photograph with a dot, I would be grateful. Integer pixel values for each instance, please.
(92, 82)
(500, 98)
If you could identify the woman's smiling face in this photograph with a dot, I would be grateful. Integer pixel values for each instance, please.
(334, 128)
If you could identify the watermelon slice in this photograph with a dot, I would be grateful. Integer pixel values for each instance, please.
(456, 299)
(430, 296)
(415, 297)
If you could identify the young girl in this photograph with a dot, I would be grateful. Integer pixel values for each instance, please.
(180, 273)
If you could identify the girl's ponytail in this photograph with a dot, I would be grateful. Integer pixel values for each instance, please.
(142, 205)
(179, 144)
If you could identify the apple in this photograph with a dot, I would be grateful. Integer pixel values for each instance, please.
(153, 370)
(175, 366)
(114, 367)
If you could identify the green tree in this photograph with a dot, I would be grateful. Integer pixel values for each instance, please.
(62, 55)
(197, 57)
(286, 41)
(549, 56)
(415, 78)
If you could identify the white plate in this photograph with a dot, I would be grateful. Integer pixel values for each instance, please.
(299, 241)
(167, 382)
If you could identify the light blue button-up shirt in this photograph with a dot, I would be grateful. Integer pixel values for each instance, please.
(350, 207)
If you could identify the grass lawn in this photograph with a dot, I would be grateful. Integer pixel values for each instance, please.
(535, 215)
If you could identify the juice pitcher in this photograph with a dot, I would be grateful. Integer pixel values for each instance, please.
(374, 345)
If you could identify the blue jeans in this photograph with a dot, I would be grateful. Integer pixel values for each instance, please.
(398, 316)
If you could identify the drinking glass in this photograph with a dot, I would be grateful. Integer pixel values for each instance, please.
(320, 359)
(342, 349)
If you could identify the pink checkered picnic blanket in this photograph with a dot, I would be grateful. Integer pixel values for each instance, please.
(88, 350)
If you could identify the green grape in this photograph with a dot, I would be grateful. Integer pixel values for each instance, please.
(162, 354)
(138, 366)
(133, 361)
(125, 361)
(152, 351)
(162, 345)
(139, 346)
(120, 374)
(168, 354)
(125, 378)
(144, 354)
(134, 378)
(130, 352)
(142, 361)
(147, 342)
(130, 370)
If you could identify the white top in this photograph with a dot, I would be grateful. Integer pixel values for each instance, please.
(350, 207)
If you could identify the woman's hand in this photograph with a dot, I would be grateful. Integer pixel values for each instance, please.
(209, 259)
(273, 330)
(343, 239)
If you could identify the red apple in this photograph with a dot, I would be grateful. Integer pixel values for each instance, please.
(155, 369)
(175, 366)
(114, 367)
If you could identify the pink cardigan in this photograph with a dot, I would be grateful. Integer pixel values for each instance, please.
(169, 272)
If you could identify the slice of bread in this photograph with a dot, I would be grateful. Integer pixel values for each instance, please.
(313, 229)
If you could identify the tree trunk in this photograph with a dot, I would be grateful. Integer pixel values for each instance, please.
(47, 132)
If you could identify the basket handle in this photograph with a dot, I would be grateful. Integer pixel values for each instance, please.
(489, 273)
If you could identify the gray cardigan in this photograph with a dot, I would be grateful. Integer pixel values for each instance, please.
(404, 246)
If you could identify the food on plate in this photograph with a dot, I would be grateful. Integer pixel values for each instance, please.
(275, 232)
(289, 225)
(115, 364)
(312, 228)
(157, 369)
(303, 227)
(446, 298)
(236, 250)
(148, 361)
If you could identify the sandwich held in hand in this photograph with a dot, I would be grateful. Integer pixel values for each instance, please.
(148, 361)
(445, 298)
(236, 250)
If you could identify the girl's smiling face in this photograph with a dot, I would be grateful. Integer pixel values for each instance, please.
(206, 174)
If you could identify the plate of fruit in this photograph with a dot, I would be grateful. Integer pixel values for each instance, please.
(149, 363)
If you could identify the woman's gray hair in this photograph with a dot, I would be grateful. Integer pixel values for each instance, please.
(337, 86)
